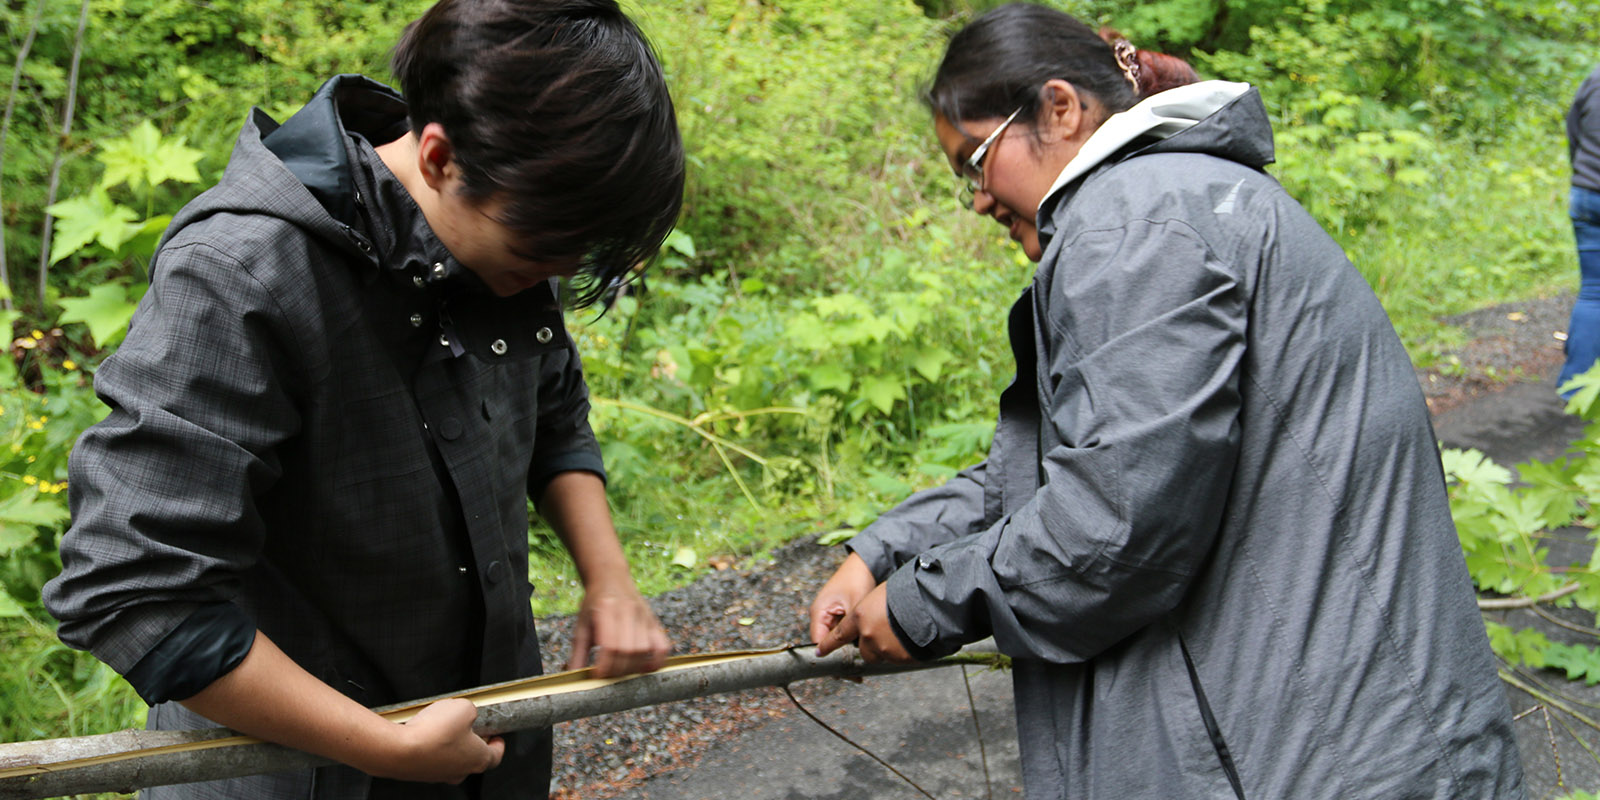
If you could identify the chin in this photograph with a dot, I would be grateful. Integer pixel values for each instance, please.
(1031, 248)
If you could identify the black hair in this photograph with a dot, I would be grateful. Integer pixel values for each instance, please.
(1001, 60)
(560, 107)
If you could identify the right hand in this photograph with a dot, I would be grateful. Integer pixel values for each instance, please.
(438, 746)
(851, 582)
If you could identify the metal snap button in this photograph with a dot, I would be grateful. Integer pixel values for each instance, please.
(544, 336)
(416, 320)
(438, 271)
(499, 347)
(417, 280)
(444, 340)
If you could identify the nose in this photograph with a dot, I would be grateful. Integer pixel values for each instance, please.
(982, 202)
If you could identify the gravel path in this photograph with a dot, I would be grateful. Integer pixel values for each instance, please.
(762, 603)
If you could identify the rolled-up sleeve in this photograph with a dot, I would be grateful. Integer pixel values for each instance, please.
(164, 489)
(1138, 444)
(564, 441)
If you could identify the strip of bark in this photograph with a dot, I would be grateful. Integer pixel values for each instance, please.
(777, 668)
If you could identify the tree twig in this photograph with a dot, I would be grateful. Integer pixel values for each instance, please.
(5, 128)
(55, 166)
(1504, 603)
(129, 760)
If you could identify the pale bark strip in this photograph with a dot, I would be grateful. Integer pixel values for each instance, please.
(159, 769)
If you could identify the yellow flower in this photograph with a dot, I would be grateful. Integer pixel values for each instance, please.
(37, 334)
(16, 447)
(69, 365)
(30, 480)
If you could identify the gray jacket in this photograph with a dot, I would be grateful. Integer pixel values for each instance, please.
(1212, 530)
(323, 427)
(1583, 133)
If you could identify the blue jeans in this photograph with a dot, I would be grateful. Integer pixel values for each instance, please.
(1583, 333)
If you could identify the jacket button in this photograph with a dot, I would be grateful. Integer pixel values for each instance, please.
(544, 336)
(417, 281)
(496, 572)
(416, 320)
(924, 562)
(438, 271)
(499, 347)
(450, 428)
(444, 340)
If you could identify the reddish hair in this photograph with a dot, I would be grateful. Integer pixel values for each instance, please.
(1156, 72)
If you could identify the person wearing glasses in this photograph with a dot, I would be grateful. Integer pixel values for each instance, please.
(347, 380)
(1212, 531)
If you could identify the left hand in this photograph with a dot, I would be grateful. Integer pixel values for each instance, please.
(618, 622)
(868, 626)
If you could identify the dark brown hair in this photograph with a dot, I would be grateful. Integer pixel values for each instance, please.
(560, 107)
(1000, 60)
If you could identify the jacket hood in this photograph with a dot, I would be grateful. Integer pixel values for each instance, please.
(299, 171)
(1218, 118)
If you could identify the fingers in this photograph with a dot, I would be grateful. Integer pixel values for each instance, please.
(844, 631)
(582, 640)
(825, 614)
(627, 636)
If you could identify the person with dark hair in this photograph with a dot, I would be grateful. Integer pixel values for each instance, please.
(1583, 146)
(1212, 531)
(347, 380)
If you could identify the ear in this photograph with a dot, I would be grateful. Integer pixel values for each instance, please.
(1066, 116)
(436, 158)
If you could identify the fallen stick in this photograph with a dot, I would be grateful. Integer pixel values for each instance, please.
(133, 759)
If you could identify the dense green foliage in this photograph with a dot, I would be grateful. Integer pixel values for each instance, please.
(825, 331)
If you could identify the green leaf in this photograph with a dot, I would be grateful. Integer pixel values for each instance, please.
(9, 607)
(106, 310)
(930, 362)
(143, 158)
(1472, 466)
(90, 218)
(834, 537)
(24, 510)
(882, 392)
(685, 557)
(830, 376)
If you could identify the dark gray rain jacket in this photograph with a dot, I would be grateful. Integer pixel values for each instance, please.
(323, 427)
(1212, 530)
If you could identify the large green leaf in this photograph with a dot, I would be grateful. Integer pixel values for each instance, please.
(143, 157)
(9, 607)
(106, 310)
(90, 218)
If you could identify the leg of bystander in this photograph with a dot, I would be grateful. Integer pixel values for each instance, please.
(1583, 333)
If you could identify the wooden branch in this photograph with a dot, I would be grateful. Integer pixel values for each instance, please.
(1503, 603)
(132, 759)
(5, 128)
(55, 167)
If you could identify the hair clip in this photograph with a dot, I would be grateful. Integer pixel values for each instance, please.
(1128, 59)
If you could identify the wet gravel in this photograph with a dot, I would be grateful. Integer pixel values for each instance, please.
(762, 602)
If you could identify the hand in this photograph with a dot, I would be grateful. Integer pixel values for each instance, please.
(621, 625)
(438, 746)
(867, 624)
(851, 582)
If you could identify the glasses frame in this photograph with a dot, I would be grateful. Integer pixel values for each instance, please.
(972, 168)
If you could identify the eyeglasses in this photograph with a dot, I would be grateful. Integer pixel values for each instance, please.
(972, 168)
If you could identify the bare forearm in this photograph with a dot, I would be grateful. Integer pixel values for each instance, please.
(270, 697)
(574, 504)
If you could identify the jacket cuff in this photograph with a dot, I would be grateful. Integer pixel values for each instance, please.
(575, 461)
(207, 645)
(910, 617)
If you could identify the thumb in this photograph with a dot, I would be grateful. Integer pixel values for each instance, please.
(845, 631)
(825, 619)
(582, 639)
